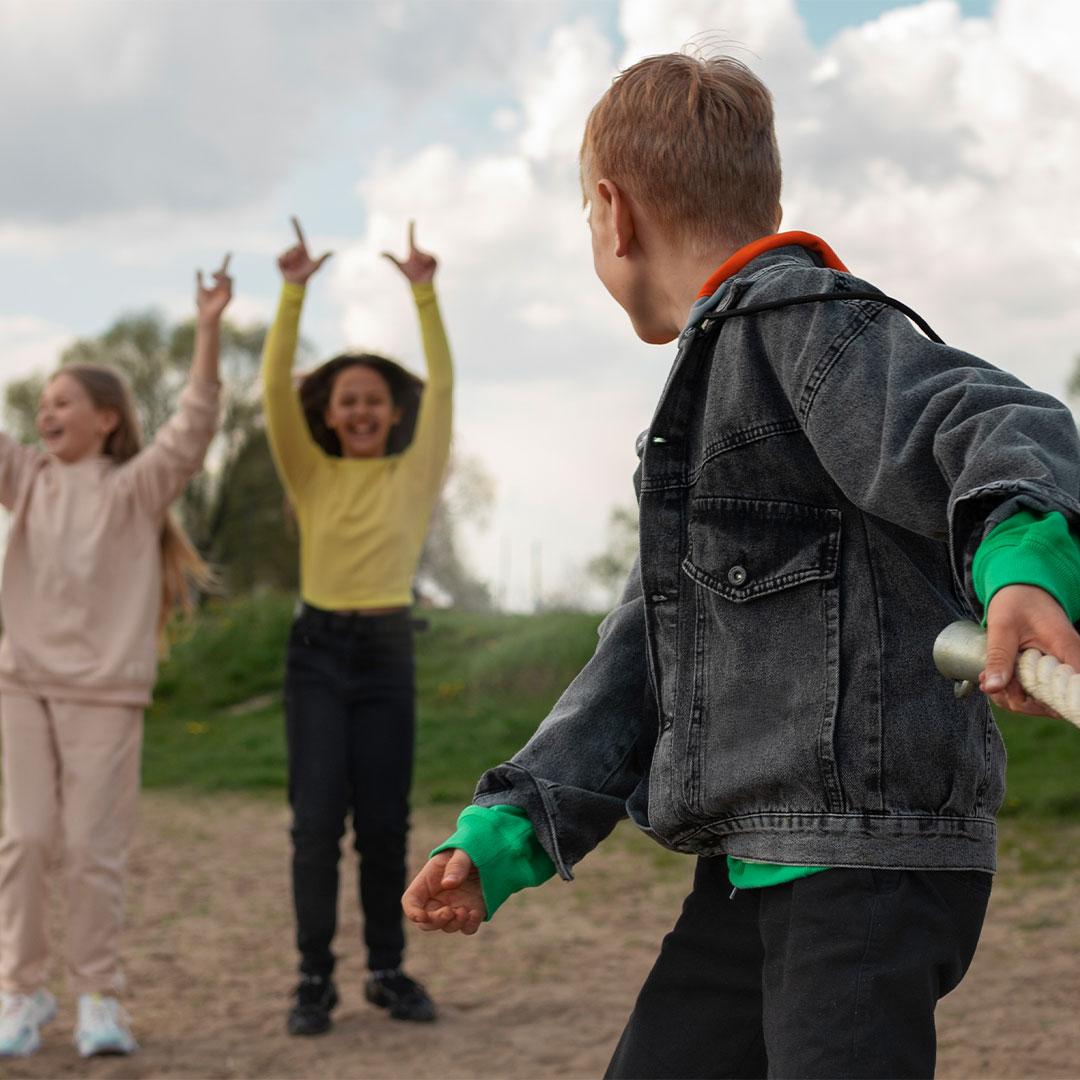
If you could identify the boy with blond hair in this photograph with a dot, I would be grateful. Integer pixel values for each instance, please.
(822, 488)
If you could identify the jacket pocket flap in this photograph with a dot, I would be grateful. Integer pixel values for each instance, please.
(746, 548)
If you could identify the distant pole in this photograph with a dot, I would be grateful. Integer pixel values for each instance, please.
(537, 584)
(504, 573)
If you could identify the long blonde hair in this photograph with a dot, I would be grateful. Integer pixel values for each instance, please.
(183, 568)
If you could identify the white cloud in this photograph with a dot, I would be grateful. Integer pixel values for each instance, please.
(769, 32)
(29, 346)
(944, 170)
(560, 87)
(125, 106)
(938, 154)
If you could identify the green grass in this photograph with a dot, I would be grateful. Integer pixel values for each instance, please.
(1044, 768)
(484, 683)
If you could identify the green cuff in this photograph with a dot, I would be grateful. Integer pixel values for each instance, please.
(756, 875)
(503, 846)
(1030, 549)
(290, 290)
(422, 291)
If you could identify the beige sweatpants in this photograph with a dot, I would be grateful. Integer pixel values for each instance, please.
(71, 783)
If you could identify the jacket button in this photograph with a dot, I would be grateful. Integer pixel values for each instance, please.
(658, 598)
(737, 575)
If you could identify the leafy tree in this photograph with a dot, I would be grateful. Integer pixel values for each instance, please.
(1072, 388)
(467, 496)
(155, 358)
(610, 568)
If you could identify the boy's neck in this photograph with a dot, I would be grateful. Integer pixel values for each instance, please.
(681, 275)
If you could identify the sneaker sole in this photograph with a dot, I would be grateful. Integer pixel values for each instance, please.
(111, 1049)
(378, 999)
(308, 1032)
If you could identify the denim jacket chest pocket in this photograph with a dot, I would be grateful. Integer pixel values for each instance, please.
(764, 621)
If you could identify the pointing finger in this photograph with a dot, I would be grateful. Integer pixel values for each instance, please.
(225, 263)
(299, 232)
(199, 281)
(412, 235)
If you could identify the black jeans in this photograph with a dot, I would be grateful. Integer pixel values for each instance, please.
(832, 975)
(350, 722)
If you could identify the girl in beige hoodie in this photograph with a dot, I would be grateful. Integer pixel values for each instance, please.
(94, 565)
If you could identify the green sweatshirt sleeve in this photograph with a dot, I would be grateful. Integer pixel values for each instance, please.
(503, 846)
(1030, 549)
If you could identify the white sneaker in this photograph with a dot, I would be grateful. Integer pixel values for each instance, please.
(103, 1027)
(21, 1017)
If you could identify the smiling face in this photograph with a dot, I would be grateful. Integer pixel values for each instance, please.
(361, 412)
(71, 426)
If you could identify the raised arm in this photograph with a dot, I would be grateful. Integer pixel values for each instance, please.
(295, 452)
(160, 472)
(430, 447)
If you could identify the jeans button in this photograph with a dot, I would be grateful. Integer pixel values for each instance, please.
(737, 575)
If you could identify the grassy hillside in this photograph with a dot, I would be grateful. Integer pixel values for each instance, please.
(485, 682)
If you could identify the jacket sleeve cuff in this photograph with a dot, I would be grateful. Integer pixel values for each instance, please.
(503, 846)
(1030, 549)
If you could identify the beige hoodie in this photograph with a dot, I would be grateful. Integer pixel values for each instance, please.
(81, 589)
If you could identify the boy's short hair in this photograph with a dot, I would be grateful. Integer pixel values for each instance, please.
(693, 139)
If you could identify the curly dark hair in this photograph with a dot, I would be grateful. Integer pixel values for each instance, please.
(405, 390)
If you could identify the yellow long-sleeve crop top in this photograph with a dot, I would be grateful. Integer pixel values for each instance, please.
(362, 520)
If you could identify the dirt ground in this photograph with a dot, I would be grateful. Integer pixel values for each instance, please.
(541, 992)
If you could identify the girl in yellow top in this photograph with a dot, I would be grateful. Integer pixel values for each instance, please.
(361, 451)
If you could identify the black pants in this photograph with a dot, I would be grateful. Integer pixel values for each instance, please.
(832, 975)
(350, 721)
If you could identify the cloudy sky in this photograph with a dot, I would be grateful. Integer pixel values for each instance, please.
(935, 145)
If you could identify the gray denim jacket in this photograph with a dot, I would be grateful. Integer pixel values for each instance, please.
(812, 489)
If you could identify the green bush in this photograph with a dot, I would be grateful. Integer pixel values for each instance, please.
(483, 684)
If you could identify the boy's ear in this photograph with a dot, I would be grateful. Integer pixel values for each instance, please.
(622, 215)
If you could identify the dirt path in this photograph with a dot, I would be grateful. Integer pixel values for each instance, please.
(541, 992)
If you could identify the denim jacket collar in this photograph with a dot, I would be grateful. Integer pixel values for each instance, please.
(762, 253)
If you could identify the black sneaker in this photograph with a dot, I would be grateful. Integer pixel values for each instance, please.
(313, 999)
(404, 997)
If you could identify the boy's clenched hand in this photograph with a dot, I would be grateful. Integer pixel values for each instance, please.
(446, 895)
(1024, 617)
